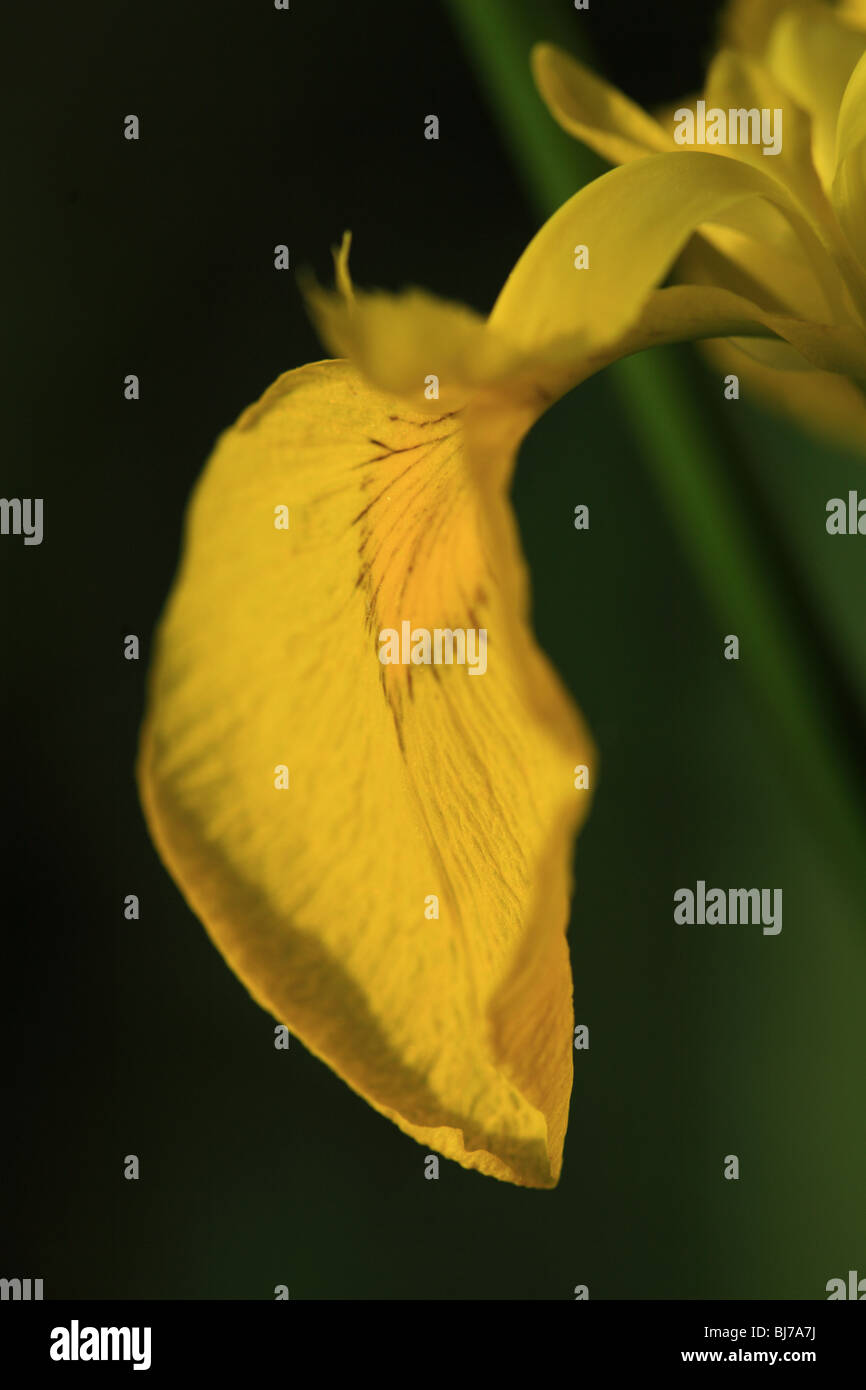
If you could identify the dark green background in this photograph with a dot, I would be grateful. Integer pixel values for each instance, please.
(258, 1167)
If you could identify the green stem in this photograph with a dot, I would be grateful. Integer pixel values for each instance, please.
(682, 455)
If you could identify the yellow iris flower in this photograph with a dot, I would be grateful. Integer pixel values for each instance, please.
(805, 61)
(382, 852)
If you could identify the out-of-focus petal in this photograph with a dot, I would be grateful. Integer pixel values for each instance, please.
(737, 82)
(433, 353)
(820, 402)
(812, 56)
(746, 24)
(853, 12)
(594, 111)
(849, 183)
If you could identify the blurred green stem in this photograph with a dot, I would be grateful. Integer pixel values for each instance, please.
(675, 440)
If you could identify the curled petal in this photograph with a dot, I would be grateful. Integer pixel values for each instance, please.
(634, 221)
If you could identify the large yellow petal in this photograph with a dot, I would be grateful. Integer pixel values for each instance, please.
(594, 111)
(635, 220)
(404, 781)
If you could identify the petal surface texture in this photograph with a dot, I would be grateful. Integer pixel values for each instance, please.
(405, 781)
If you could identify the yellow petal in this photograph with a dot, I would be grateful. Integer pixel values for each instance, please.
(593, 110)
(812, 56)
(436, 355)
(405, 782)
(746, 24)
(717, 259)
(433, 353)
(735, 81)
(689, 312)
(853, 12)
(634, 221)
(849, 183)
(784, 281)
